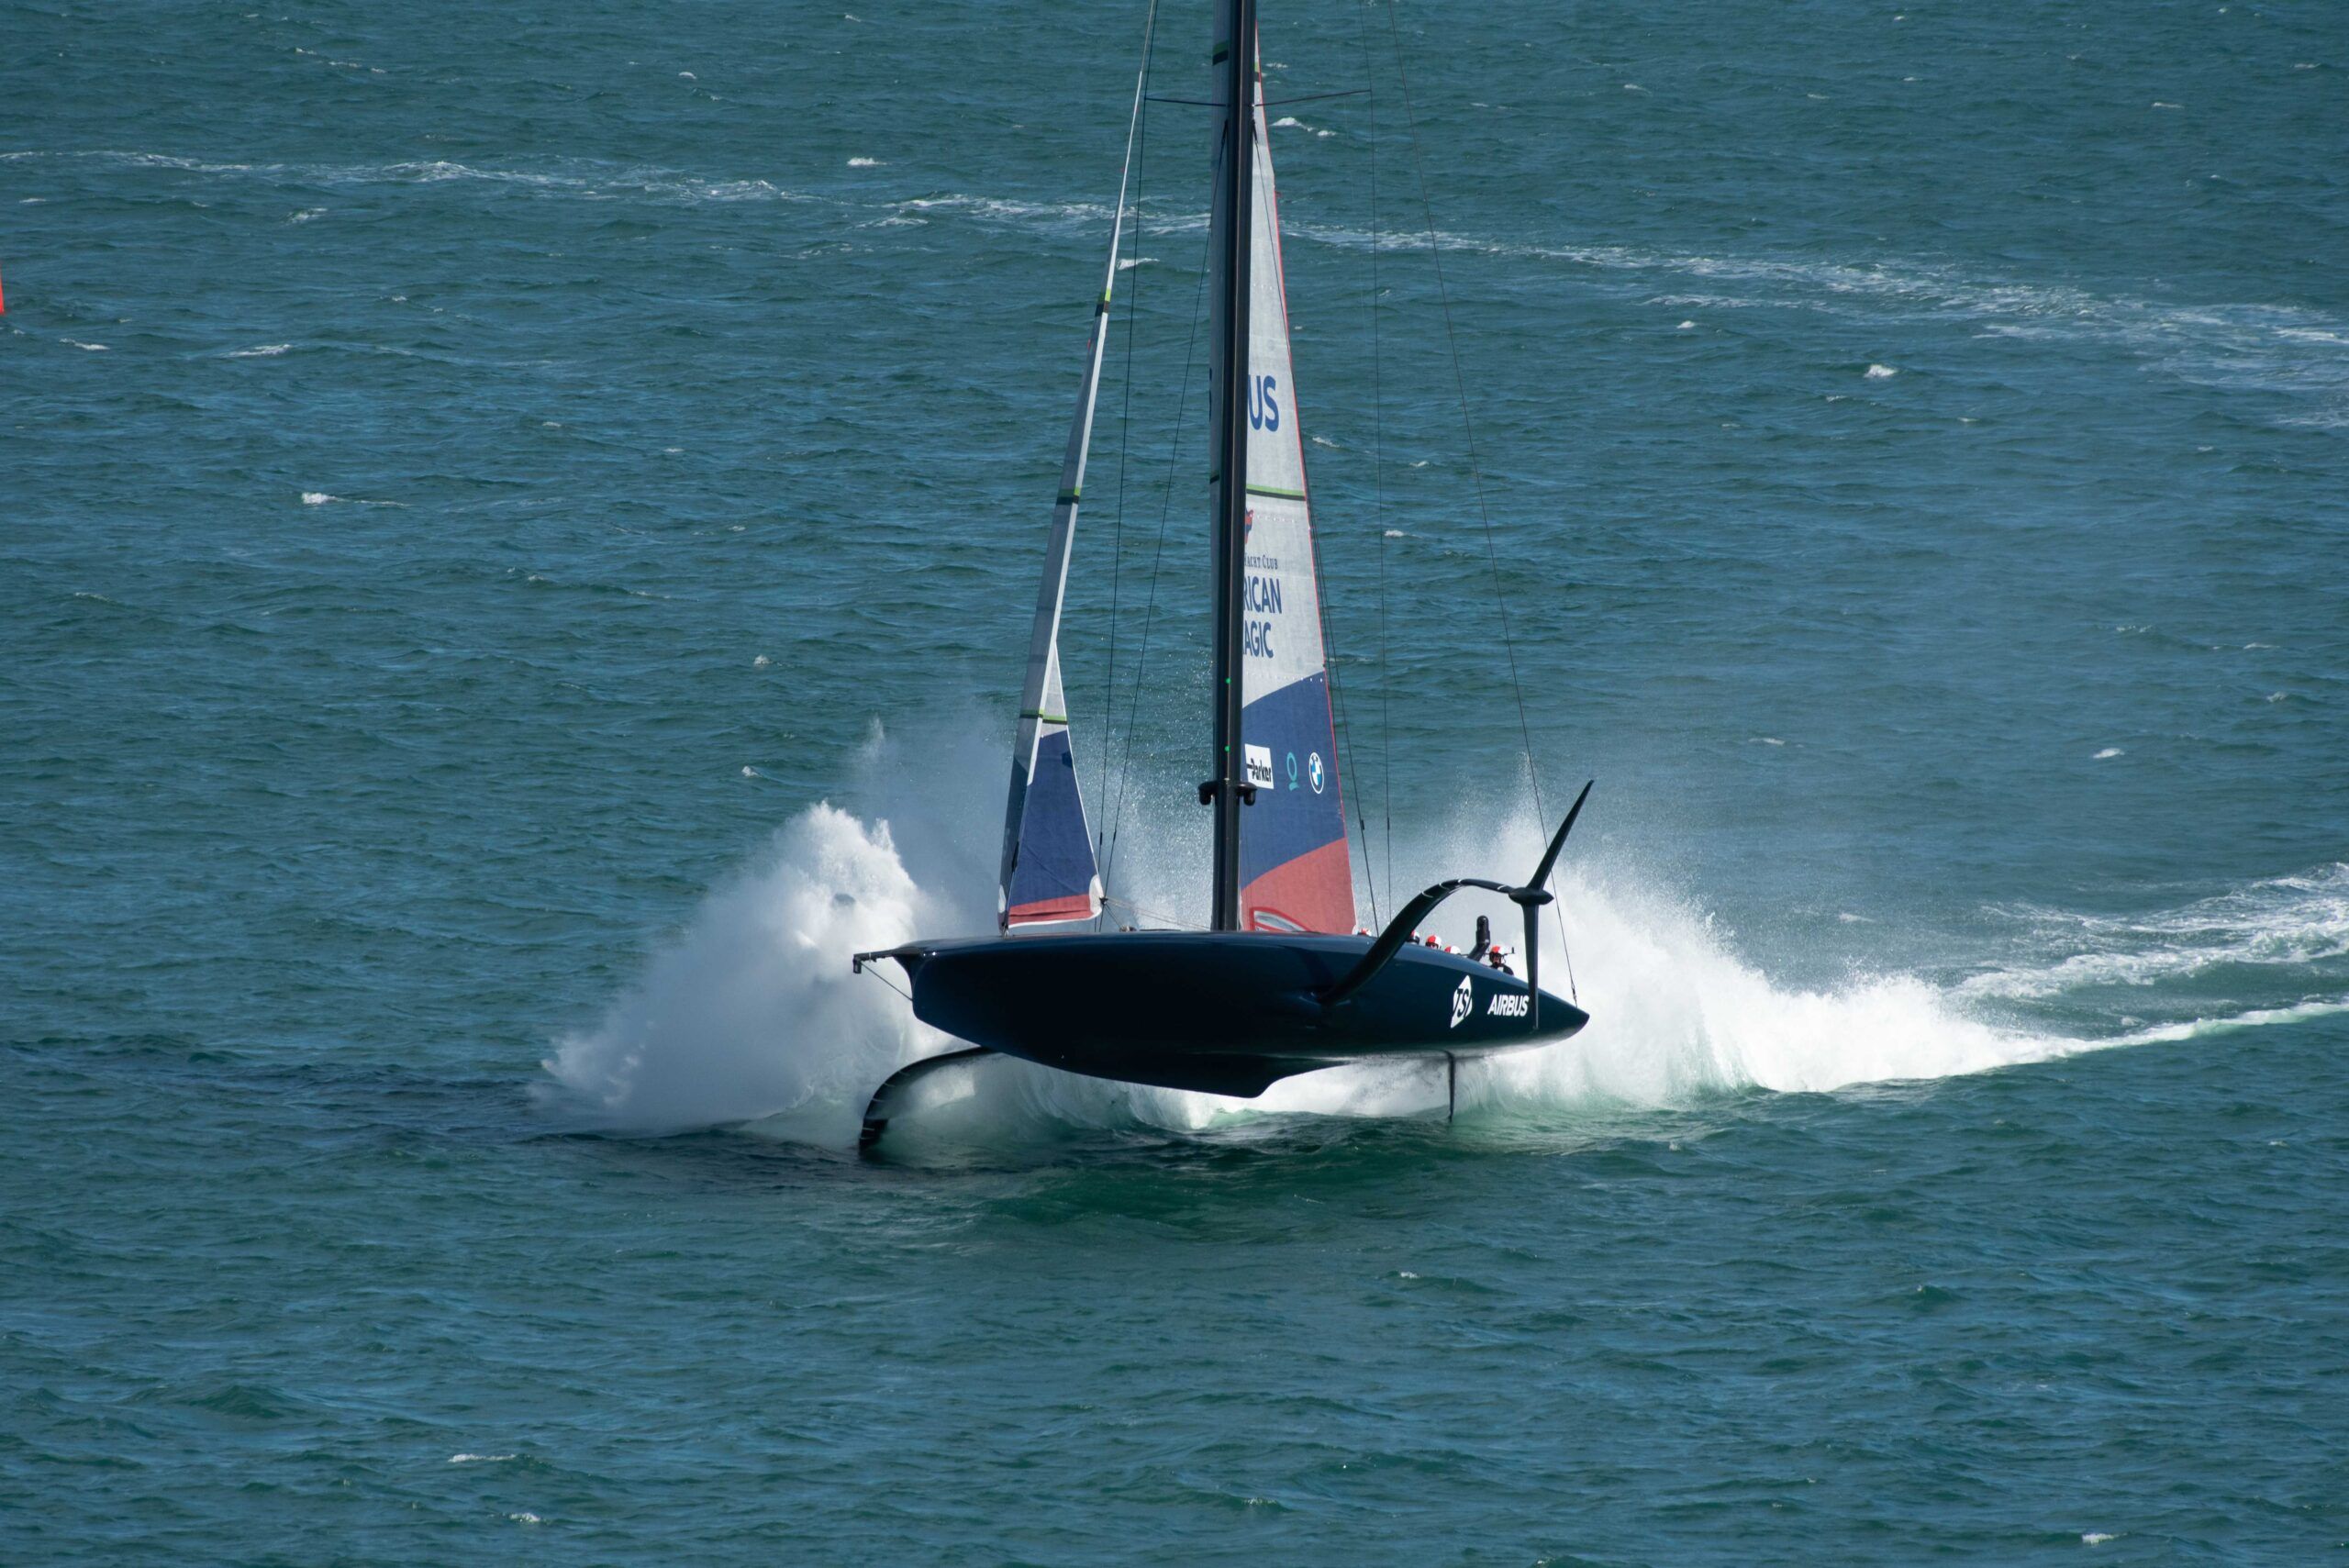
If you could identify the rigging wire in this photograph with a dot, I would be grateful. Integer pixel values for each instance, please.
(1468, 428)
(1343, 732)
(1140, 136)
(1339, 719)
(1378, 482)
(1157, 560)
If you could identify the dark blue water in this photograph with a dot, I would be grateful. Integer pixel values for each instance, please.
(478, 484)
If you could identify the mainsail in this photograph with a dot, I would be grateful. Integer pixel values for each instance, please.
(1049, 872)
(1295, 873)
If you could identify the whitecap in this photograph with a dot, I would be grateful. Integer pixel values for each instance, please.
(761, 662)
(1130, 263)
(2096, 1537)
(479, 1458)
(2108, 751)
(259, 351)
(93, 348)
(1881, 372)
(867, 164)
(307, 214)
(1686, 326)
(321, 498)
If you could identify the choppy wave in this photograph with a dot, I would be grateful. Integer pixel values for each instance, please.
(2285, 349)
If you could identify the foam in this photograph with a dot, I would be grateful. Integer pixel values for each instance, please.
(2288, 922)
(2257, 1018)
(576, 178)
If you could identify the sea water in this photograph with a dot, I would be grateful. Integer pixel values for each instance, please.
(516, 534)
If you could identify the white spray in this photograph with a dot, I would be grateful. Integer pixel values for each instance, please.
(754, 1017)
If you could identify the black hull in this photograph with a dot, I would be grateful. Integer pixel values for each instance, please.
(1226, 1013)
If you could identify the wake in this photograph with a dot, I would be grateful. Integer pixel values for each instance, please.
(752, 1017)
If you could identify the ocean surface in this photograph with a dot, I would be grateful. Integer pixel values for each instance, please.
(517, 526)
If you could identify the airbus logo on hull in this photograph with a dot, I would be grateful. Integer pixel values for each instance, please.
(1506, 1007)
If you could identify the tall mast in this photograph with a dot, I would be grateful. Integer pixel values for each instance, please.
(1229, 790)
